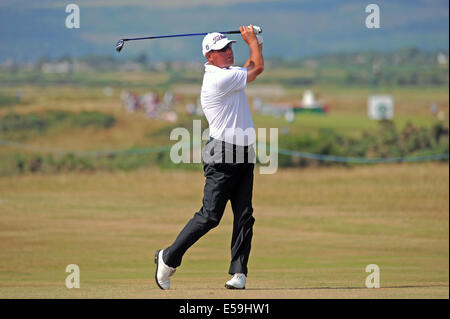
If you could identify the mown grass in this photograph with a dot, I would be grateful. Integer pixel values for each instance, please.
(315, 232)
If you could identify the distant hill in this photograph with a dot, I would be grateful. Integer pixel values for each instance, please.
(404, 67)
(30, 30)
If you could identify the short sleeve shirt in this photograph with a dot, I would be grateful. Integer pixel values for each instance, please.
(225, 105)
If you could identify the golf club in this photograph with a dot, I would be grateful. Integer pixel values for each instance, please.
(121, 42)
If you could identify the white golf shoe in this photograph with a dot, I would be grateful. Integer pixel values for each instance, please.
(163, 272)
(237, 282)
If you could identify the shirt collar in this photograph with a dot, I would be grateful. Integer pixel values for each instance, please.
(211, 67)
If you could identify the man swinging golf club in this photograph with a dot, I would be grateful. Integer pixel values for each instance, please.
(228, 157)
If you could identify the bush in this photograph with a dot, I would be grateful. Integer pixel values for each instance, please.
(387, 142)
(95, 119)
(18, 122)
(6, 100)
(41, 122)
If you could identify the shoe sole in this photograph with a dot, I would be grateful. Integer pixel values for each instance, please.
(156, 272)
(233, 287)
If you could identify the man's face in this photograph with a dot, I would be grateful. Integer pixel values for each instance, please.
(223, 58)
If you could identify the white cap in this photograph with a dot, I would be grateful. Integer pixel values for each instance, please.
(214, 41)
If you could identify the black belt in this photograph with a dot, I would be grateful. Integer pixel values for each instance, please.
(230, 146)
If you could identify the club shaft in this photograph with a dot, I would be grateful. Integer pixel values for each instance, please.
(178, 35)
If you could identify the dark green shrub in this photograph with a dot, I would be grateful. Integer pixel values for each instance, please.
(18, 122)
(92, 118)
(41, 122)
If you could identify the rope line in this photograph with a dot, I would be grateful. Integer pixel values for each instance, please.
(156, 149)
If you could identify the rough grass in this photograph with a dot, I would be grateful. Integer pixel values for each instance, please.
(315, 232)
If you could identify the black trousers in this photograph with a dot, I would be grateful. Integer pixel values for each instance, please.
(224, 182)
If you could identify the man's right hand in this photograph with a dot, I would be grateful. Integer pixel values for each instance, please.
(255, 63)
(248, 34)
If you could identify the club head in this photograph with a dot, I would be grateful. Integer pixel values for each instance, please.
(119, 45)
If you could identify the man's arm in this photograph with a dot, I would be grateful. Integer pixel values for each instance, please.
(246, 65)
(255, 63)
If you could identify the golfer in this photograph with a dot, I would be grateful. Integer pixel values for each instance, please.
(228, 157)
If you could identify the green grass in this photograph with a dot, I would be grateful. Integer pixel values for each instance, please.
(315, 232)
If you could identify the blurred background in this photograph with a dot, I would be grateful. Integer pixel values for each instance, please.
(343, 96)
(63, 84)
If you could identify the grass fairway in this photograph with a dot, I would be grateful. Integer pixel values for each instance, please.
(316, 230)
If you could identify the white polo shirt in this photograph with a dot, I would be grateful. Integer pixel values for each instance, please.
(225, 105)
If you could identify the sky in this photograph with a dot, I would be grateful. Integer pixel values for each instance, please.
(30, 30)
